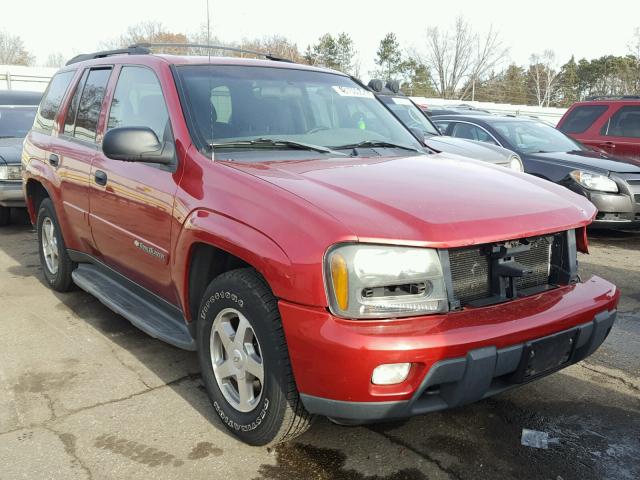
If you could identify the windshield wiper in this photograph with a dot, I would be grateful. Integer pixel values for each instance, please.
(376, 144)
(270, 142)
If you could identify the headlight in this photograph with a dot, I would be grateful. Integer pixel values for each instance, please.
(593, 181)
(10, 172)
(376, 281)
(515, 163)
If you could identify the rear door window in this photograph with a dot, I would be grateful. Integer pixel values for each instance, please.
(70, 117)
(581, 118)
(51, 101)
(442, 125)
(90, 104)
(624, 123)
(472, 132)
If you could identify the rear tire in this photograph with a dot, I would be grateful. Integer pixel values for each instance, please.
(240, 302)
(56, 264)
(5, 216)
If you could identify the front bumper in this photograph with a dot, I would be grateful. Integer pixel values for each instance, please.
(458, 381)
(616, 210)
(11, 194)
(456, 358)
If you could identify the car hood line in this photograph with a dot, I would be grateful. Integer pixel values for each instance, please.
(372, 198)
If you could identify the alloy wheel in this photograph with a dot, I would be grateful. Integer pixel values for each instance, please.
(50, 246)
(237, 360)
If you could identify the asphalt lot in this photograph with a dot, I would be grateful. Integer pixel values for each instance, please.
(83, 394)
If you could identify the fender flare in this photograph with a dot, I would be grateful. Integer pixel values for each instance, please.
(208, 227)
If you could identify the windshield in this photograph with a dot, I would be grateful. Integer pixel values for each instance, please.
(16, 121)
(407, 112)
(535, 137)
(257, 108)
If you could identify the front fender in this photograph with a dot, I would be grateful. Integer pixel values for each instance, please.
(238, 239)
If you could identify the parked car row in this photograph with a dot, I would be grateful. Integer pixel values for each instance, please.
(413, 118)
(610, 182)
(311, 238)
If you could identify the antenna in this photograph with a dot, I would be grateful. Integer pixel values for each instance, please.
(208, 30)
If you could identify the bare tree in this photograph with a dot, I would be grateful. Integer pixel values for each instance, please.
(459, 59)
(634, 45)
(55, 60)
(543, 76)
(276, 45)
(12, 50)
(148, 32)
(449, 56)
(488, 54)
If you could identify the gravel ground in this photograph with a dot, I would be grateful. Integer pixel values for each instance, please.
(83, 394)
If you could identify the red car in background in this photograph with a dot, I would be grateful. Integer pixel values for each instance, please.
(610, 124)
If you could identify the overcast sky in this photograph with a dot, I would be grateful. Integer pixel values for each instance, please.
(584, 28)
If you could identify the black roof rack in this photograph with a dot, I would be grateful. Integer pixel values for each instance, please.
(145, 49)
(132, 50)
(266, 55)
(612, 97)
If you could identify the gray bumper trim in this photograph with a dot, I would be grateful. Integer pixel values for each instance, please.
(11, 194)
(458, 381)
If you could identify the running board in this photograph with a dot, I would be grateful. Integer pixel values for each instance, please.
(150, 314)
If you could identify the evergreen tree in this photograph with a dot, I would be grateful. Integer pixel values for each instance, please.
(389, 57)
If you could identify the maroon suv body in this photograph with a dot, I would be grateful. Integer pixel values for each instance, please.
(278, 219)
(611, 125)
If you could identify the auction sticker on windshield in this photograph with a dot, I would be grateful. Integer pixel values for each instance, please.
(352, 92)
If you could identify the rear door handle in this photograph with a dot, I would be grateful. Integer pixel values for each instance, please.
(54, 160)
(608, 145)
(101, 177)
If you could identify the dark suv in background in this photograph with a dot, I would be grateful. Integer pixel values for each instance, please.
(605, 123)
(611, 183)
(17, 111)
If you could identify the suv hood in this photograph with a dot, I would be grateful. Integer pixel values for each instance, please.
(469, 148)
(434, 200)
(588, 159)
(11, 150)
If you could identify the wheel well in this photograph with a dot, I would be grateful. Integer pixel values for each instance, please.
(207, 262)
(36, 194)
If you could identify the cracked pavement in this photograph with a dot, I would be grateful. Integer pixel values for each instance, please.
(84, 394)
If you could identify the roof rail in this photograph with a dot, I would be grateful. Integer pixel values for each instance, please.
(266, 55)
(132, 50)
(612, 97)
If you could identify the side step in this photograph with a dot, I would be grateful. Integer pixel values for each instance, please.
(149, 313)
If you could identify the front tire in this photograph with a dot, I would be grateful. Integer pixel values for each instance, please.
(56, 264)
(245, 362)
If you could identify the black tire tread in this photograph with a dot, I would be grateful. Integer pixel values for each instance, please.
(296, 419)
(63, 281)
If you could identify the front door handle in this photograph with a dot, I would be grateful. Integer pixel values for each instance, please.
(608, 145)
(101, 177)
(54, 160)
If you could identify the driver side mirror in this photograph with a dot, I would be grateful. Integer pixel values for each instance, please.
(137, 144)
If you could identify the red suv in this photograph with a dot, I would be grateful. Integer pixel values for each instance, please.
(608, 124)
(280, 221)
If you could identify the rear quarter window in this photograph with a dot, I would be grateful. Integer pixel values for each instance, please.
(581, 118)
(51, 101)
